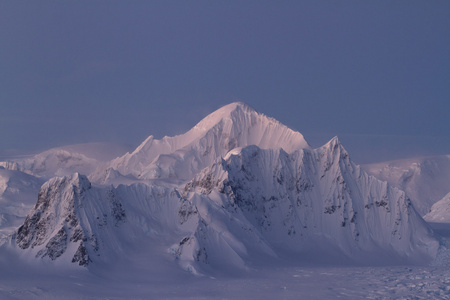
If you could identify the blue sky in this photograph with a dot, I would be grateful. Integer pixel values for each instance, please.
(375, 73)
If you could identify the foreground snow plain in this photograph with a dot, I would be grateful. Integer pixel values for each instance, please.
(394, 282)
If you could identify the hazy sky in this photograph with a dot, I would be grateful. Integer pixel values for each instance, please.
(375, 73)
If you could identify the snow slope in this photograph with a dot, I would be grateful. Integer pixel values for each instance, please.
(425, 180)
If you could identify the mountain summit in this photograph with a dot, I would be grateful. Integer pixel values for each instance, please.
(181, 157)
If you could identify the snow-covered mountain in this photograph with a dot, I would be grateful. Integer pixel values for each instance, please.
(54, 162)
(425, 180)
(249, 207)
(313, 203)
(74, 221)
(64, 161)
(238, 190)
(182, 156)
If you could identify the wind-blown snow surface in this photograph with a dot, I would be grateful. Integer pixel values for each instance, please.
(237, 194)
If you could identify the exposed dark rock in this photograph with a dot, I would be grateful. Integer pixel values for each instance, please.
(77, 235)
(331, 209)
(81, 257)
(117, 210)
(186, 210)
(56, 246)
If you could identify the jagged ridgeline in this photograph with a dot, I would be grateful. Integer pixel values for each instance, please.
(238, 190)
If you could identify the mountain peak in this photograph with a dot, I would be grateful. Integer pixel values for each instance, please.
(334, 149)
(333, 143)
(235, 105)
(76, 180)
(224, 112)
(80, 180)
(234, 125)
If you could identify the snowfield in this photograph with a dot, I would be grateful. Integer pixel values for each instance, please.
(318, 282)
(239, 207)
